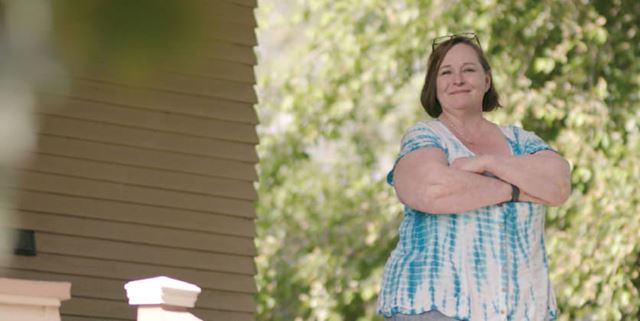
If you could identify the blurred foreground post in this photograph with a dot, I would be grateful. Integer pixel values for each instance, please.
(27, 300)
(163, 299)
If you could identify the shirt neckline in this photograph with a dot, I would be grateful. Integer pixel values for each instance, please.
(503, 130)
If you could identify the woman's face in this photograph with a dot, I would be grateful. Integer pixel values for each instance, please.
(461, 80)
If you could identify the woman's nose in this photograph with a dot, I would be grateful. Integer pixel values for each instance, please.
(457, 78)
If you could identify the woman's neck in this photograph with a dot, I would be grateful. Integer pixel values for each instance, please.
(468, 128)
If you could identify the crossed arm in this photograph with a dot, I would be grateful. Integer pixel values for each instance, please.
(423, 180)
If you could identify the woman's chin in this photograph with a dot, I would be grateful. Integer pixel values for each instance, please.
(463, 107)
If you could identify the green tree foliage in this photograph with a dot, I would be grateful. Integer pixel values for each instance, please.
(343, 83)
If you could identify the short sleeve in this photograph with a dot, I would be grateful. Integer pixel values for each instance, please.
(418, 136)
(532, 143)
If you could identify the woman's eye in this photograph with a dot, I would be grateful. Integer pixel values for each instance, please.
(470, 70)
(445, 72)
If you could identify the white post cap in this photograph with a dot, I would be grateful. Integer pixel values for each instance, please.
(30, 292)
(162, 290)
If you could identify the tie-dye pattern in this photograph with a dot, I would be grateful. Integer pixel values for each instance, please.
(481, 265)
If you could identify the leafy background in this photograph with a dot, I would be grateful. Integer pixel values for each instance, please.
(339, 82)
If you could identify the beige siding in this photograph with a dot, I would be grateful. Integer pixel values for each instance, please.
(99, 267)
(161, 101)
(228, 51)
(81, 148)
(149, 176)
(95, 170)
(115, 211)
(184, 84)
(134, 233)
(129, 193)
(230, 136)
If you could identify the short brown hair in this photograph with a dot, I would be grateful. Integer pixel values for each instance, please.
(428, 96)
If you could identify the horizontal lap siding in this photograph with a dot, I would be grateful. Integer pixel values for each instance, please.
(134, 233)
(80, 147)
(184, 84)
(156, 100)
(135, 178)
(86, 266)
(150, 129)
(139, 214)
(229, 143)
(92, 188)
(217, 49)
(126, 174)
(181, 126)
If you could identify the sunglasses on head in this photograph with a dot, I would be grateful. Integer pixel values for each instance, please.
(466, 35)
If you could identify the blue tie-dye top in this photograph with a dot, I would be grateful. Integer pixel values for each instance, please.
(486, 264)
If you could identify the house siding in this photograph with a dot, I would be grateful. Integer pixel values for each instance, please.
(144, 177)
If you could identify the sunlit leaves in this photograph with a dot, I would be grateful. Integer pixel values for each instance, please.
(333, 115)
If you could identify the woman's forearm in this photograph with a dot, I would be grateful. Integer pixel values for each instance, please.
(464, 191)
(451, 190)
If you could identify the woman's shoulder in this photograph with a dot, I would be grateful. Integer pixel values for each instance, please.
(423, 133)
(428, 127)
(509, 127)
(517, 132)
(426, 124)
(529, 141)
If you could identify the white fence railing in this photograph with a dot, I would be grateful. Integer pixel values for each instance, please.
(157, 299)
(27, 300)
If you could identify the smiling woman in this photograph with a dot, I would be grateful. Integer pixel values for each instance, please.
(461, 81)
(471, 241)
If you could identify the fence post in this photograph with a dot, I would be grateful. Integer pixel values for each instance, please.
(163, 299)
(28, 300)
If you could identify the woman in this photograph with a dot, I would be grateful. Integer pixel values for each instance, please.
(471, 242)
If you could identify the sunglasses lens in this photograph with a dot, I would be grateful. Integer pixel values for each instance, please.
(467, 35)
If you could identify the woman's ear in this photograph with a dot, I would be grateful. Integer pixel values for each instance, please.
(487, 82)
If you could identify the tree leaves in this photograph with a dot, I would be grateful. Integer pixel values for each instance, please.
(332, 118)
